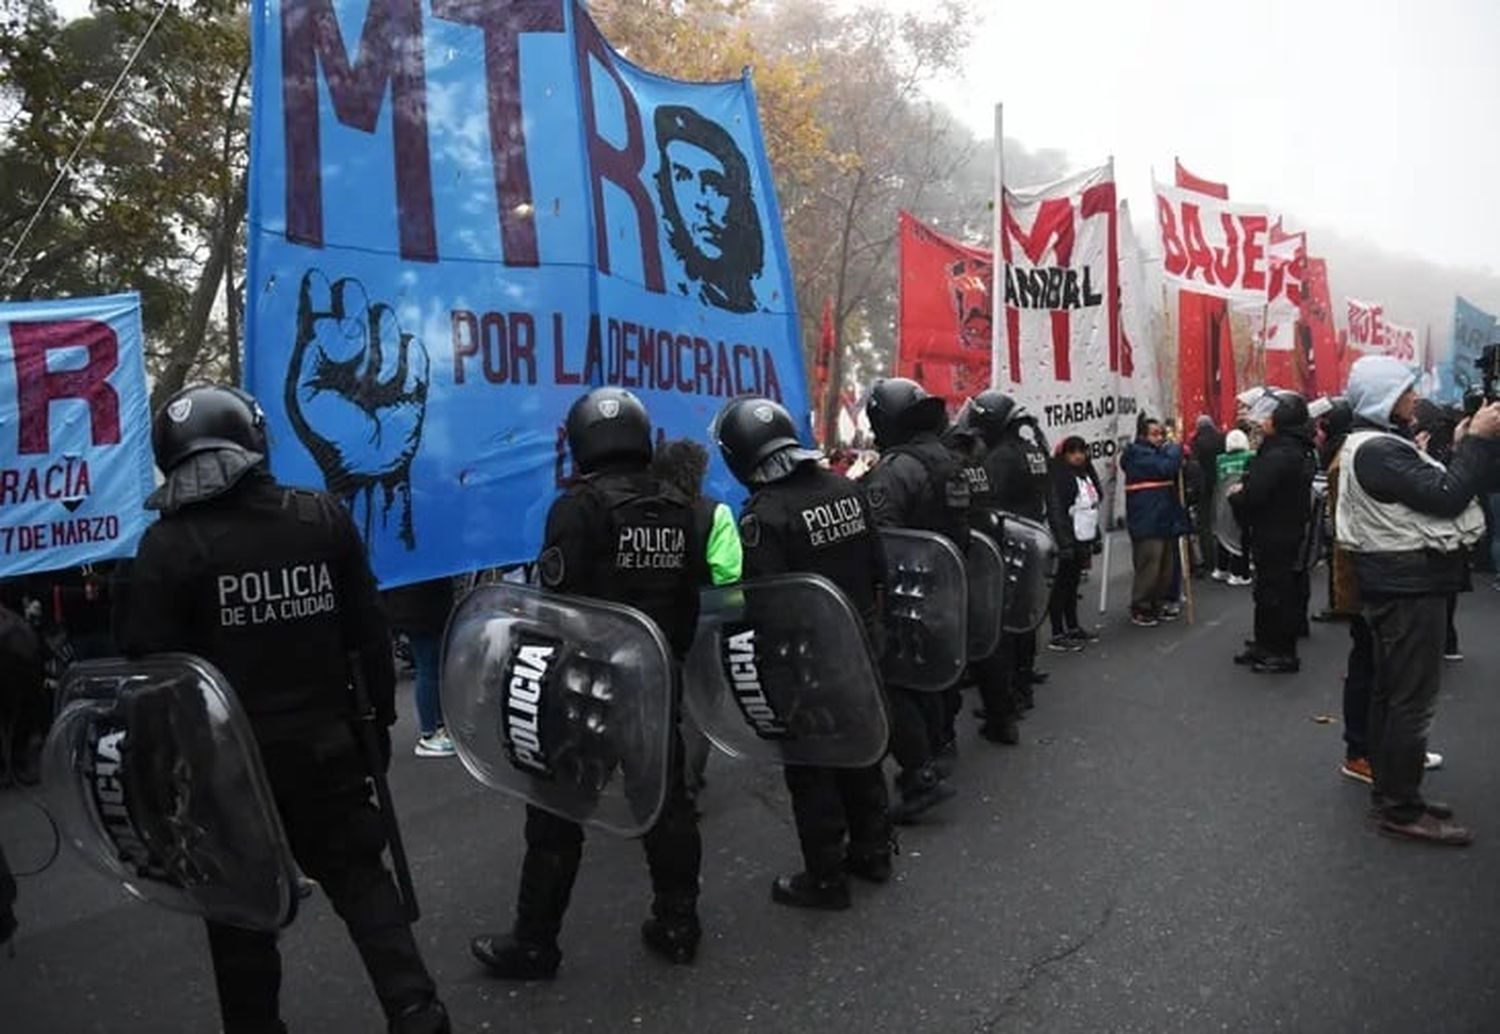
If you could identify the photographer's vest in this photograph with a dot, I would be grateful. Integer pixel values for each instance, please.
(1366, 525)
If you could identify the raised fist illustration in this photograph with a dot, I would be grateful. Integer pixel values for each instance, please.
(356, 395)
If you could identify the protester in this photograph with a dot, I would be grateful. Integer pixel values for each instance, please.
(1154, 517)
(1406, 520)
(1206, 448)
(420, 612)
(1232, 552)
(1073, 512)
(1274, 500)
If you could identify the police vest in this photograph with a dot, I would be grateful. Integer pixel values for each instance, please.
(651, 555)
(1366, 525)
(944, 504)
(826, 528)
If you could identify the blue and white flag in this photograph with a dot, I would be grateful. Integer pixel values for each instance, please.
(75, 433)
(465, 213)
(1473, 329)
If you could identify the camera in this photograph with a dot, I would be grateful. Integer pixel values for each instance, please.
(1488, 365)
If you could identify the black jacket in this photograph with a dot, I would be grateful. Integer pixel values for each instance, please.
(816, 522)
(1392, 472)
(1064, 484)
(1275, 502)
(920, 485)
(1017, 465)
(1208, 446)
(270, 585)
(420, 608)
(628, 537)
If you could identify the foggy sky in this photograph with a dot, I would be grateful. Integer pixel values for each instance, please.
(1373, 117)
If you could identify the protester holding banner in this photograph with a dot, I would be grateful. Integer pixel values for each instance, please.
(621, 534)
(1274, 501)
(270, 584)
(1154, 517)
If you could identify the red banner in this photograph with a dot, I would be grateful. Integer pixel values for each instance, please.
(1205, 351)
(1317, 325)
(946, 314)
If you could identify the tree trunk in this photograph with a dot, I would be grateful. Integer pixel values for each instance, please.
(185, 352)
(836, 360)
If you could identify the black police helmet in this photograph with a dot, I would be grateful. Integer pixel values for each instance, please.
(1290, 412)
(750, 430)
(991, 412)
(899, 407)
(205, 417)
(608, 425)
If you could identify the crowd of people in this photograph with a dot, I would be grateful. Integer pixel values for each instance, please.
(1393, 488)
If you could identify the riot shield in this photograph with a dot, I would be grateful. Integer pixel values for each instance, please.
(781, 671)
(563, 701)
(1030, 565)
(926, 610)
(984, 566)
(154, 776)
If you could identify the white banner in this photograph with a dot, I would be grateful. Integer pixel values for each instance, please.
(1140, 376)
(1287, 256)
(1214, 247)
(1061, 346)
(1370, 332)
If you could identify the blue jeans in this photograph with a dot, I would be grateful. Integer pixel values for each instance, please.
(426, 658)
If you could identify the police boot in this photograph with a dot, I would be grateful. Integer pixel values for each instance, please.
(673, 931)
(530, 951)
(508, 957)
(804, 890)
(871, 862)
(427, 1017)
(1004, 730)
(919, 791)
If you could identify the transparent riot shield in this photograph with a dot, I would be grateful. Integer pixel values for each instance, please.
(1030, 565)
(154, 776)
(781, 671)
(984, 566)
(563, 701)
(926, 610)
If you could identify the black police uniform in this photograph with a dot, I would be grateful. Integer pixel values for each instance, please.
(1019, 479)
(271, 585)
(993, 675)
(918, 484)
(776, 531)
(622, 535)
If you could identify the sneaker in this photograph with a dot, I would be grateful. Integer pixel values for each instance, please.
(1428, 829)
(1359, 770)
(1454, 655)
(1433, 761)
(1143, 619)
(438, 745)
(1219, 575)
(1082, 635)
(1276, 666)
(1169, 612)
(1236, 580)
(1064, 644)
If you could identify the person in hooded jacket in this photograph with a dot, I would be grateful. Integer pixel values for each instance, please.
(1206, 448)
(1020, 483)
(227, 528)
(617, 533)
(801, 518)
(1274, 501)
(917, 483)
(1074, 517)
(1406, 522)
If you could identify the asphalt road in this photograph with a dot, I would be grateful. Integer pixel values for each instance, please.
(1171, 848)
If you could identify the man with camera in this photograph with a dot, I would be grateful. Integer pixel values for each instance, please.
(1406, 520)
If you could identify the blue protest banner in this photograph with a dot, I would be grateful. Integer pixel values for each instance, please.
(75, 433)
(1473, 328)
(463, 213)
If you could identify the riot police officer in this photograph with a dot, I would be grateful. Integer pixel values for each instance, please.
(1018, 472)
(803, 518)
(992, 675)
(229, 541)
(917, 484)
(616, 533)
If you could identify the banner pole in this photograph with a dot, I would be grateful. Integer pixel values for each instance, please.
(997, 275)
